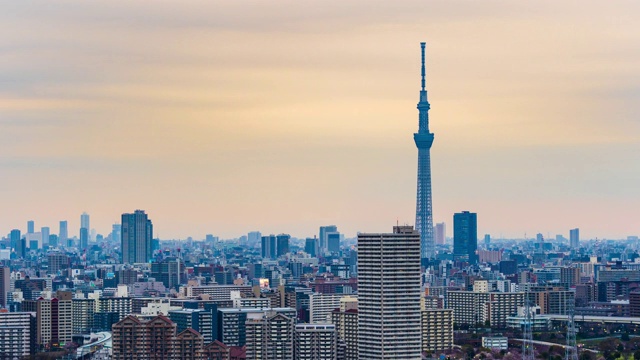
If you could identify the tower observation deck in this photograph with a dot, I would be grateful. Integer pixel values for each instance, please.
(424, 139)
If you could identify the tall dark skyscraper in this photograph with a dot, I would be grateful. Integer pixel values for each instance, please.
(64, 233)
(465, 237)
(31, 227)
(283, 244)
(574, 238)
(137, 232)
(18, 243)
(84, 238)
(424, 139)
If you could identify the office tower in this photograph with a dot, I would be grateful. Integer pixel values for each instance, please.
(333, 242)
(168, 272)
(270, 337)
(54, 318)
(84, 239)
(17, 335)
(31, 227)
(85, 221)
(487, 240)
(57, 262)
(389, 295)
(424, 139)
(137, 232)
(45, 232)
(311, 247)
(269, 247)
(465, 237)
(83, 311)
(283, 244)
(574, 238)
(324, 230)
(53, 240)
(19, 243)
(253, 238)
(63, 235)
(5, 284)
(199, 320)
(437, 330)
(315, 342)
(440, 233)
(116, 232)
(346, 321)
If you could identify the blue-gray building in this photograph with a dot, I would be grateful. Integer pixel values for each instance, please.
(465, 237)
(199, 320)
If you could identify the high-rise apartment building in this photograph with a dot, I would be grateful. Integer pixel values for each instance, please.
(574, 238)
(54, 318)
(465, 237)
(437, 330)
(315, 342)
(389, 295)
(270, 336)
(199, 320)
(135, 339)
(321, 306)
(231, 323)
(137, 232)
(346, 322)
(83, 311)
(17, 335)
(472, 308)
(440, 233)
(57, 262)
(63, 233)
(5, 284)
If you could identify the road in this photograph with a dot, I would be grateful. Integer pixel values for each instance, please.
(537, 342)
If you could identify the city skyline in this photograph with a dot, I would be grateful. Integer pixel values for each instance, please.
(309, 114)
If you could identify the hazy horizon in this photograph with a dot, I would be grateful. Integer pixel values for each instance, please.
(224, 117)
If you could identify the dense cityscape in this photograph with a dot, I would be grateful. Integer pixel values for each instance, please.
(409, 293)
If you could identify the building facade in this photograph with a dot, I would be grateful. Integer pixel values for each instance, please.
(137, 232)
(389, 295)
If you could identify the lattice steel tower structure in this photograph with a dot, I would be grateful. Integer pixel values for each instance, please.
(424, 140)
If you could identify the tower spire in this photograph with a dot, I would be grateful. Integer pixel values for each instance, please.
(424, 139)
(422, 46)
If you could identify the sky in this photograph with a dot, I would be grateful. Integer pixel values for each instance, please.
(223, 117)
